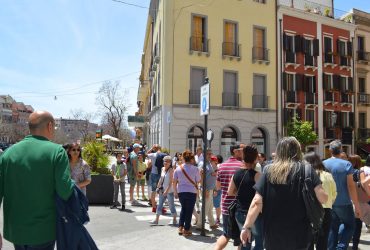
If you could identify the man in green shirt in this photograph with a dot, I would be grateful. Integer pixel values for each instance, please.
(32, 172)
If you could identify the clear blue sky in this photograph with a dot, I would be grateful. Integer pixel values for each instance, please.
(64, 48)
(54, 48)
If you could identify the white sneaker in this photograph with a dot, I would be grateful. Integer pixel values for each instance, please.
(154, 222)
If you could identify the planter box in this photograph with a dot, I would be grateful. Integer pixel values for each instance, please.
(100, 190)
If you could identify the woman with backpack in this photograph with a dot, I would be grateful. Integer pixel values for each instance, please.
(280, 198)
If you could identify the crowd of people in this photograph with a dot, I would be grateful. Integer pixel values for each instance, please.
(267, 195)
(270, 207)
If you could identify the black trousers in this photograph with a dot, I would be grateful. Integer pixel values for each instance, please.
(322, 237)
(357, 233)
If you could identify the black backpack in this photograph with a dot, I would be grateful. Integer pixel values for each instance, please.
(314, 210)
(159, 161)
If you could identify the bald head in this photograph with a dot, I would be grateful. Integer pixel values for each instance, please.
(39, 121)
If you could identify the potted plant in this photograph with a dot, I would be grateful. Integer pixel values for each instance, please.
(100, 190)
(327, 12)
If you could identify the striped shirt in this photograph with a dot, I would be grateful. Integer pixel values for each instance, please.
(225, 173)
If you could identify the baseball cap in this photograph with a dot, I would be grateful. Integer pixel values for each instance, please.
(214, 158)
(136, 145)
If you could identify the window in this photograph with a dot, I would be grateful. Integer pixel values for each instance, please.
(259, 1)
(230, 96)
(289, 83)
(230, 45)
(361, 43)
(259, 44)
(308, 47)
(260, 99)
(310, 116)
(328, 45)
(361, 85)
(198, 40)
(362, 120)
(328, 82)
(310, 84)
(197, 76)
(345, 119)
(342, 50)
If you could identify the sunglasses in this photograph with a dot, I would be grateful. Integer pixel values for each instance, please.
(76, 149)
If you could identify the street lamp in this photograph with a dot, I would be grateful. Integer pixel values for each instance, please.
(333, 118)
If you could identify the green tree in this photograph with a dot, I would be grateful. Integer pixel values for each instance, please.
(302, 131)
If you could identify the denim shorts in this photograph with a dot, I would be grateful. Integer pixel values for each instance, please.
(217, 199)
(225, 222)
(154, 179)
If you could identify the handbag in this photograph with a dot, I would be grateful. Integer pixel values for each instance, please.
(232, 225)
(314, 210)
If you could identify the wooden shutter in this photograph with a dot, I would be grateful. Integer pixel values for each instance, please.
(285, 42)
(342, 84)
(230, 38)
(259, 42)
(336, 82)
(350, 84)
(351, 119)
(339, 119)
(338, 48)
(325, 84)
(197, 33)
(313, 90)
(298, 43)
(285, 85)
(316, 47)
(303, 42)
(326, 120)
(349, 48)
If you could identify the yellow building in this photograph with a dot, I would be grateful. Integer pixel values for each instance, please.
(362, 75)
(233, 42)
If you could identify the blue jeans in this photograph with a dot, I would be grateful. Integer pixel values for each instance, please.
(187, 201)
(45, 246)
(257, 233)
(171, 203)
(154, 178)
(341, 215)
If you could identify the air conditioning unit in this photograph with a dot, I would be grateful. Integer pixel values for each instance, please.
(156, 59)
(362, 98)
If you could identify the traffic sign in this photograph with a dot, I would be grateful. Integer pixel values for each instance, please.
(204, 100)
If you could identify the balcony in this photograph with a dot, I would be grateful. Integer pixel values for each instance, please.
(329, 97)
(199, 44)
(363, 133)
(328, 57)
(261, 55)
(260, 102)
(363, 99)
(347, 136)
(330, 133)
(311, 99)
(194, 96)
(230, 99)
(346, 99)
(291, 97)
(344, 62)
(363, 57)
(231, 50)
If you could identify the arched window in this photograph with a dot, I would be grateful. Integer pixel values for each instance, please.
(229, 137)
(259, 139)
(195, 138)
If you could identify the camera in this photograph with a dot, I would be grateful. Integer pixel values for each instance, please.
(159, 190)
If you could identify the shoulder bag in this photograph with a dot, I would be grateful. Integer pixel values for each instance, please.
(314, 210)
(187, 177)
(232, 225)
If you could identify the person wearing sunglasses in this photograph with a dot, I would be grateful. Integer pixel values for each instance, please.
(80, 170)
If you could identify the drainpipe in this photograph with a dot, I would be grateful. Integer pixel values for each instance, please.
(354, 142)
(281, 79)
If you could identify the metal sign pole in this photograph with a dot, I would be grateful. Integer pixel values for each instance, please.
(205, 162)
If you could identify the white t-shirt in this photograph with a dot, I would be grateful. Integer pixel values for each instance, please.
(153, 157)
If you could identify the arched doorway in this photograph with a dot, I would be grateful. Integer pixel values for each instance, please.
(195, 138)
(229, 137)
(259, 139)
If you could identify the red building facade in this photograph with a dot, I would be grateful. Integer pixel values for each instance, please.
(315, 83)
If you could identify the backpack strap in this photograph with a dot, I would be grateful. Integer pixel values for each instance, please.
(187, 177)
